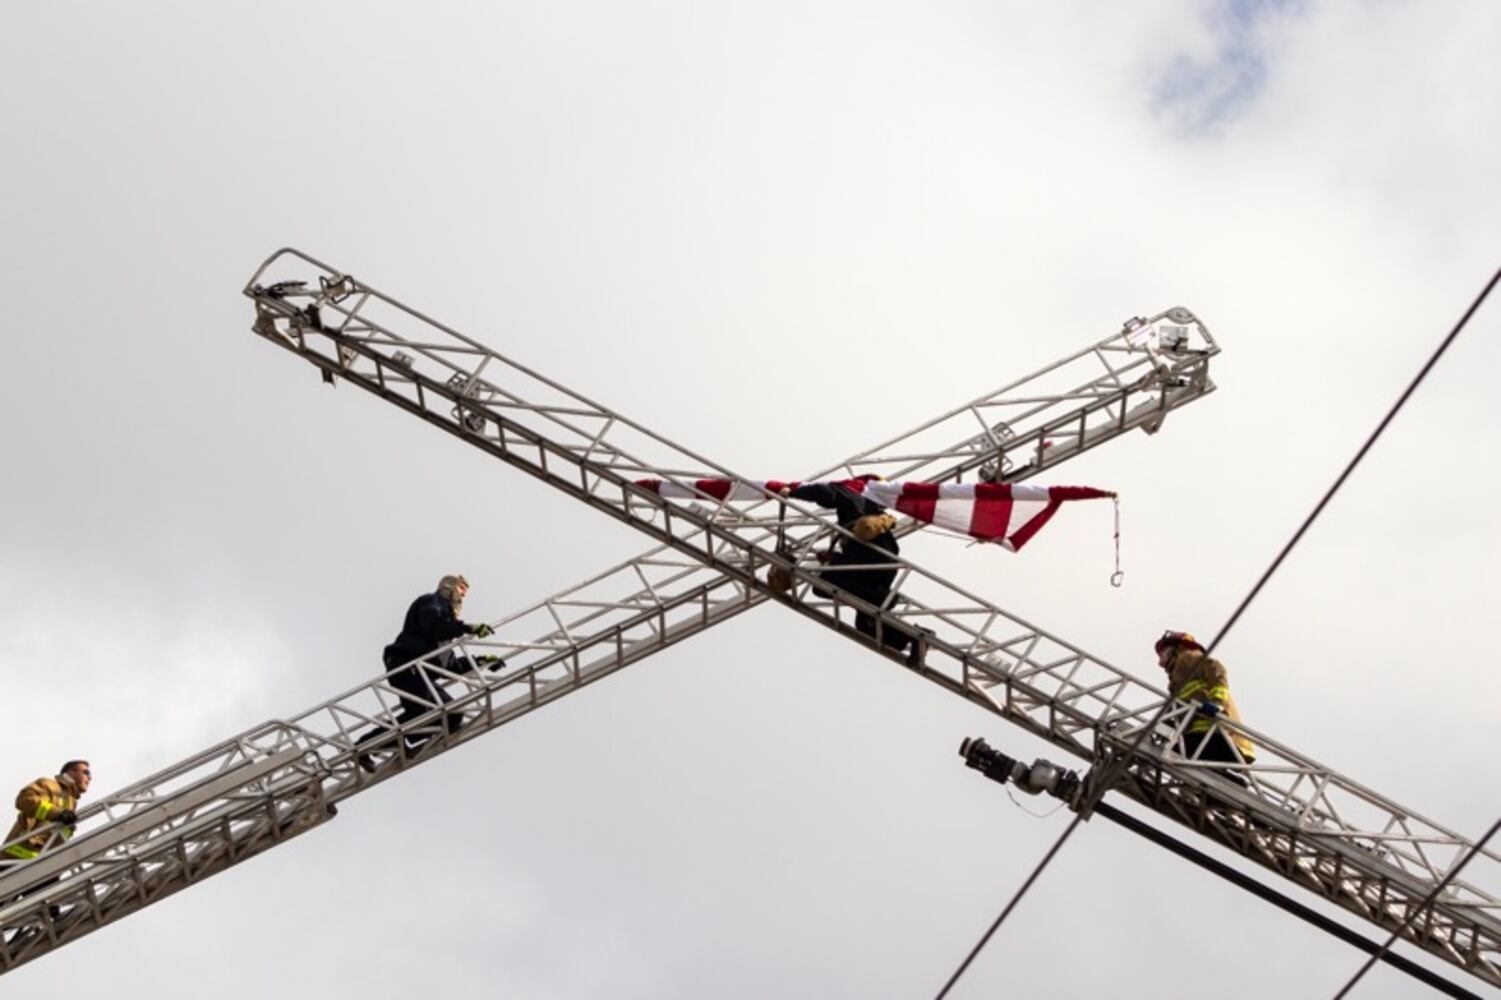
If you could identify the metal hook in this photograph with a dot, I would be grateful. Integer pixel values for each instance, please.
(1118, 575)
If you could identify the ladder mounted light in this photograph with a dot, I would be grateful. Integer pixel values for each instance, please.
(1034, 779)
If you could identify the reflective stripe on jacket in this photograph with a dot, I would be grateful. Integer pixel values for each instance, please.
(37, 804)
(1192, 676)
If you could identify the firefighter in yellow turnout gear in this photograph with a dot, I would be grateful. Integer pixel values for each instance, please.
(43, 802)
(1196, 678)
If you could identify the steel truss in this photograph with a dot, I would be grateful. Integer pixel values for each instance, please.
(238, 798)
(1293, 815)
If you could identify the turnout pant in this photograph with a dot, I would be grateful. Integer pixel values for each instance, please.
(420, 689)
(870, 585)
(1215, 747)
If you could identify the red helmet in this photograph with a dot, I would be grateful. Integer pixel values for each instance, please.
(1171, 638)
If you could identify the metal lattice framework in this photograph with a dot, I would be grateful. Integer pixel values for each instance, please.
(236, 799)
(1295, 816)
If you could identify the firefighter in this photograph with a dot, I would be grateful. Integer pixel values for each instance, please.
(869, 522)
(42, 803)
(431, 622)
(1194, 677)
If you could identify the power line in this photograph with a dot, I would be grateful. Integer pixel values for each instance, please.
(1043, 776)
(1096, 789)
(1017, 898)
(1413, 913)
(1426, 976)
(1411, 388)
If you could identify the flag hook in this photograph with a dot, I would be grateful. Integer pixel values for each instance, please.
(1118, 576)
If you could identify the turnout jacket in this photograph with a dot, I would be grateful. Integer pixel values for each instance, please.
(1192, 676)
(871, 585)
(430, 622)
(37, 804)
(848, 506)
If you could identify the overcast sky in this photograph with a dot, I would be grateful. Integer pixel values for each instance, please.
(776, 233)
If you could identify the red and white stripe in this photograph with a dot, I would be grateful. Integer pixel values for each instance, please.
(993, 512)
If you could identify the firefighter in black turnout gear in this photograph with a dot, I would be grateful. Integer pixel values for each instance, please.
(431, 622)
(876, 547)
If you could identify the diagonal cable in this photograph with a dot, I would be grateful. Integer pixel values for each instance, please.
(1415, 911)
(1096, 789)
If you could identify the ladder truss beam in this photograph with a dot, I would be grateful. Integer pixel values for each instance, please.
(175, 827)
(1295, 816)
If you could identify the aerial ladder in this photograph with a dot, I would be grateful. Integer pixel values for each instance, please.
(1286, 812)
(274, 781)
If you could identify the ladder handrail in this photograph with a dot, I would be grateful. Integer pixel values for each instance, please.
(592, 453)
(677, 597)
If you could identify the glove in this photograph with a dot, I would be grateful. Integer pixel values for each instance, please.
(66, 817)
(481, 631)
(490, 662)
(1208, 708)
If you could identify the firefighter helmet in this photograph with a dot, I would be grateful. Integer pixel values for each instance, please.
(1171, 638)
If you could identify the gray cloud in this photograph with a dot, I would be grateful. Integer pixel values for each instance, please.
(1207, 86)
(774, 235)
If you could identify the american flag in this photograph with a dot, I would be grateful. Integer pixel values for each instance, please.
(1008, 513)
